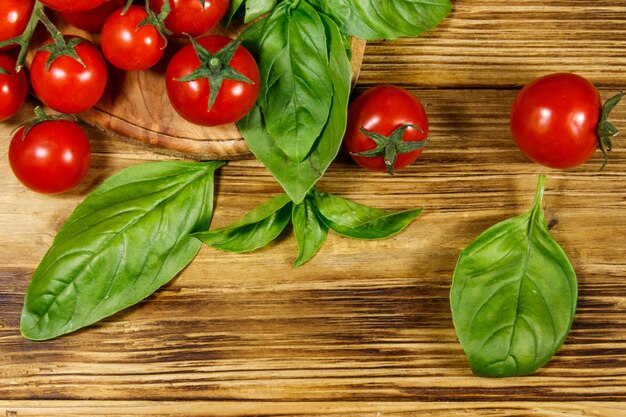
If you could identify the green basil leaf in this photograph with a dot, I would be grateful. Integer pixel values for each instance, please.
(127, 239)
(297, 178)
(513, 296)
(258, 8)
(296, 92)
(254, 230)
(310, 231)
(379, 19)
(358, 221)
(235, 5)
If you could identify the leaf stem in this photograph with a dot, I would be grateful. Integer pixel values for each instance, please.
(541, 186)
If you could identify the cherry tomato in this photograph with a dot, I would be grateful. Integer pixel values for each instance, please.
(12, 88)
(554, 120)
(69, 87)
(14, 16)
(72, 6)
(386, 111)
(128, 47)
(191, 98)
(191, 17)
(52, 158)
(93, 20)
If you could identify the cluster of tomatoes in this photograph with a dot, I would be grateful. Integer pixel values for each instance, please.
(211, 81)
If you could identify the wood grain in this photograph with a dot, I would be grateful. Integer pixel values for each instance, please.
(365, 328)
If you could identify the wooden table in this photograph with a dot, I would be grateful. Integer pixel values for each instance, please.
(365, 328)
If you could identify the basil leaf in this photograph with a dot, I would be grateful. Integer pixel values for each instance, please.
(381, 19)
(310, 231)
(254, 230)
(297, 178)
(513, 296)
(296, 94)
(258, 8)
(235, 5)
(358, 221)
(127, 239)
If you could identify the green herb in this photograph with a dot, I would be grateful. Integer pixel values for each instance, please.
(299, 177)
(126, 240)
(293, 61)
(376, 19)
(357, 221)
(253, 231)
(253, 9)
(311, 221)
(309, 229)
(513, 296)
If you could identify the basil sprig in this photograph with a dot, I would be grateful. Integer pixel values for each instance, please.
(126, 240)
(298, 176)
(311, 220)
(513, 296)
(302, 47)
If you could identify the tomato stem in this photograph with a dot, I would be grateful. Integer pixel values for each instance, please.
(215, 68)
(389, 147)
(24, 39)
(158, 21)
(606, 130)
(40, 117)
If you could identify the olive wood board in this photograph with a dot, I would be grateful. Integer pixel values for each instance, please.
(135, 107)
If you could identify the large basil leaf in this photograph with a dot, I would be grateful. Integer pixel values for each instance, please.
(127, 239)
(358, 221)
(513, 296)
(296, 92)
(310, 231)
(297, 178)
(254, 230)
(385, 19)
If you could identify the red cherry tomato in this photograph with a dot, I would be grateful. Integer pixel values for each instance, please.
(12, 88)
(72, 6)
(128, 47)
(69, 87)
(190, 98)
(554, 120)
(93, 20)
(52, 158)
(384, 110)
(14, 16)
(191, 17)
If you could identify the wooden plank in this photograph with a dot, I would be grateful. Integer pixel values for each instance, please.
(507, 43)
(305, 409)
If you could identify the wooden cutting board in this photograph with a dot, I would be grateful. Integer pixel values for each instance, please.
(135, 107)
